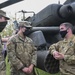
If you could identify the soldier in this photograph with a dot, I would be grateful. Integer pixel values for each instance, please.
(3, 22)
(21, 51)
(3, 17)
(64, 50)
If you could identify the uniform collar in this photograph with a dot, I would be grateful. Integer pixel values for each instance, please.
(70, 39)
(21, 38)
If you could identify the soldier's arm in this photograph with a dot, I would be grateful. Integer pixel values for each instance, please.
(1, 55)
(53, 48)
(34, 54)
(2, 61)
(70, 59)
(12, 55)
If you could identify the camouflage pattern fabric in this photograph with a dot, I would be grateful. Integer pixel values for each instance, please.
(21, 52)
(66, 47)
(2, 62)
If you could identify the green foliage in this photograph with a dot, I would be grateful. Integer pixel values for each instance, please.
(7, 66)
(41, 72)
(7, 31)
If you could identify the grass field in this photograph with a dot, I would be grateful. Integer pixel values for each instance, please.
(41, 72)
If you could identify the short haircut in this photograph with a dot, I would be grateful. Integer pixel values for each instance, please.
(68, 25)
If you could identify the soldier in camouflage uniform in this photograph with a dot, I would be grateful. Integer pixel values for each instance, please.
(21, 51)
(64, 50)
(3, 21)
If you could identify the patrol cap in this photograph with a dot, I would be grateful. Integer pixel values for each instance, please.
(24, 24)
(2, 13)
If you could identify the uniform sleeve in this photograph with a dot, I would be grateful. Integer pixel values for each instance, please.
(1, 55)
(70, 59)
(34, 55)
(12, 55)
(54, 47)
(2, 62)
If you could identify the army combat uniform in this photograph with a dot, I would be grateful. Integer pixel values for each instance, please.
(3, 22)
(66, 47)
(2, 62)
(21, 53)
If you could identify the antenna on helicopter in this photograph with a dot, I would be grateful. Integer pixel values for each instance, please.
(58, 1)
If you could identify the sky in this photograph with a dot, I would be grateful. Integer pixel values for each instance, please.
(29, 5)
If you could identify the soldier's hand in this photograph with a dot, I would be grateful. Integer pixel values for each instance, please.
(59, 56)
(25, 69)
(31, 68)
(55, 53)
